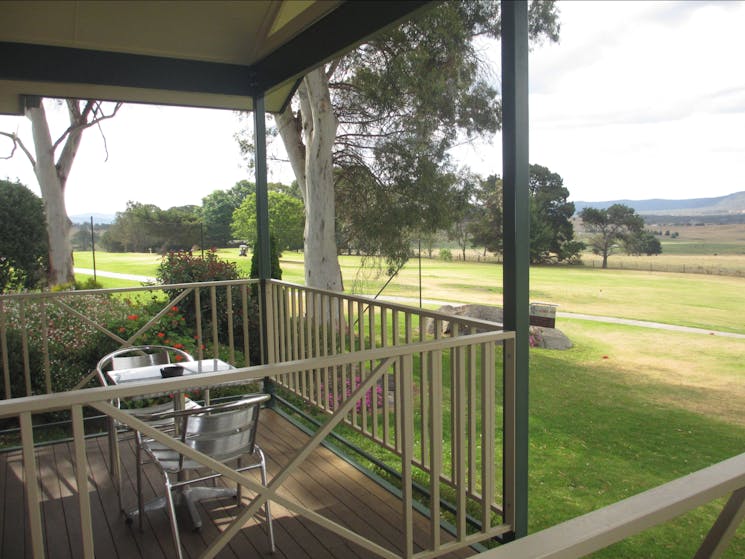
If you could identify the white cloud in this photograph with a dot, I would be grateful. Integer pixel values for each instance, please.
(638, 100)
(642, 100)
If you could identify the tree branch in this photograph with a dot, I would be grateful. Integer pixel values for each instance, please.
(79, 120)
(17, 142)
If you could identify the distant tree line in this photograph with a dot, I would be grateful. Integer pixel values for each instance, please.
(225, 218)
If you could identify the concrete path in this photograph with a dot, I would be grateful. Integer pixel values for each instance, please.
(115, 275)
(415, 301)
(594, 318)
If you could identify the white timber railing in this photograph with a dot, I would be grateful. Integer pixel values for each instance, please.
(437, 404)
(599, 529)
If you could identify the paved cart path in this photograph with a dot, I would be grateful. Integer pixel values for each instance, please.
(415, 301)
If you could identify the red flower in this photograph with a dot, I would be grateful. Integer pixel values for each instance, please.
(132, 317)
(179, 357)
(161, 335)
(178, 346)
(122, 329)
(174, 309)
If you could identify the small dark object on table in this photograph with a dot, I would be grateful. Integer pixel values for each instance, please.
(172, 371)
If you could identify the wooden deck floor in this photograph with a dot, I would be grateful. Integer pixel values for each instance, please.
(325, 483)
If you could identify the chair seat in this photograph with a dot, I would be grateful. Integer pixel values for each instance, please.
(169, 459)
(159, 409)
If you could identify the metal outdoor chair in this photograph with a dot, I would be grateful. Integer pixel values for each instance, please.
(225, 432)
(131, 358)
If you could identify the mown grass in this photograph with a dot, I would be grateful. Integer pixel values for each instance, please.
(695, 300)
(602, 430)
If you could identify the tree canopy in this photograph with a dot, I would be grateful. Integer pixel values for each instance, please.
(385, 117)
(286, 221)
(23, 238)
(611, 228)
(551, 229)
(217, 212)
(145, 227)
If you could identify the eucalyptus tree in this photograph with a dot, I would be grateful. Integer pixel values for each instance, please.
(380, 122)
(551, 229)
(611, 228)
(52, 171)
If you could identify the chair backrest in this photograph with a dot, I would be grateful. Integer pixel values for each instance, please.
(224, 431)
(137, 356)
(132, 361)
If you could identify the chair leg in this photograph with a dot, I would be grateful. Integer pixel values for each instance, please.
(267, 510)
(172, 517)
(140, 498)
(115, 461)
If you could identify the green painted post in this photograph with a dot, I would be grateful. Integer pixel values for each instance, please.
(517, 228)
(262, 197)
(262, 216)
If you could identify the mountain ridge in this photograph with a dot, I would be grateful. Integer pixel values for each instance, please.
(720, 205)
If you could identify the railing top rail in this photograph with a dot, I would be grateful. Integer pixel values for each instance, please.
(603, 527)
(367, 299)
(64, 400)
(56, 294)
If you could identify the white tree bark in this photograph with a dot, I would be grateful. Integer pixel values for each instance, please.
(52, 185)
(309, 139)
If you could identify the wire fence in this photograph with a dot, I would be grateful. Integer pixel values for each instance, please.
(734, 268)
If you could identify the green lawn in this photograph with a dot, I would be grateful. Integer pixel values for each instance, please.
(603, 429)
(627, 408)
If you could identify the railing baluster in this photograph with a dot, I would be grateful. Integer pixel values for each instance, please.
(426, 403)
(215, 329)
(246, 324)
(45, 347)
(435, 456)
(81, 477)
(488, 425)
(407, 455)
(510, 433)
(198, 319)
(32, 486)
(458, 412)
(231, 334)
(24, 347)
(472, 411)
(4, 348)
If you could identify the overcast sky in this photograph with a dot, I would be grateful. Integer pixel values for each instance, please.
(638, 100)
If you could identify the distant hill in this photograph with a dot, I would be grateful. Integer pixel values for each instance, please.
(721, 205)
(97, 218)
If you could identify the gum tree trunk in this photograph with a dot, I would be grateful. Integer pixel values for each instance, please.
(309, 138)
(52, 179)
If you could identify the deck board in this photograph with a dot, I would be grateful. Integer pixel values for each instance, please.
(325, 483)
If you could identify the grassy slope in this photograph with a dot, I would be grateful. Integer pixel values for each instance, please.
(602, 430)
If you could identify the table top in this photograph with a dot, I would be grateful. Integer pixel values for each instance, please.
(152, 372)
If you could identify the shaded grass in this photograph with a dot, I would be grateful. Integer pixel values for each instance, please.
(600, 433)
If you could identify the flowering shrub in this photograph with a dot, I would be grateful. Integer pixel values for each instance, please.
(349, 388)
(534, 337)
(74, 345)
(184, 267)
(172, 329)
